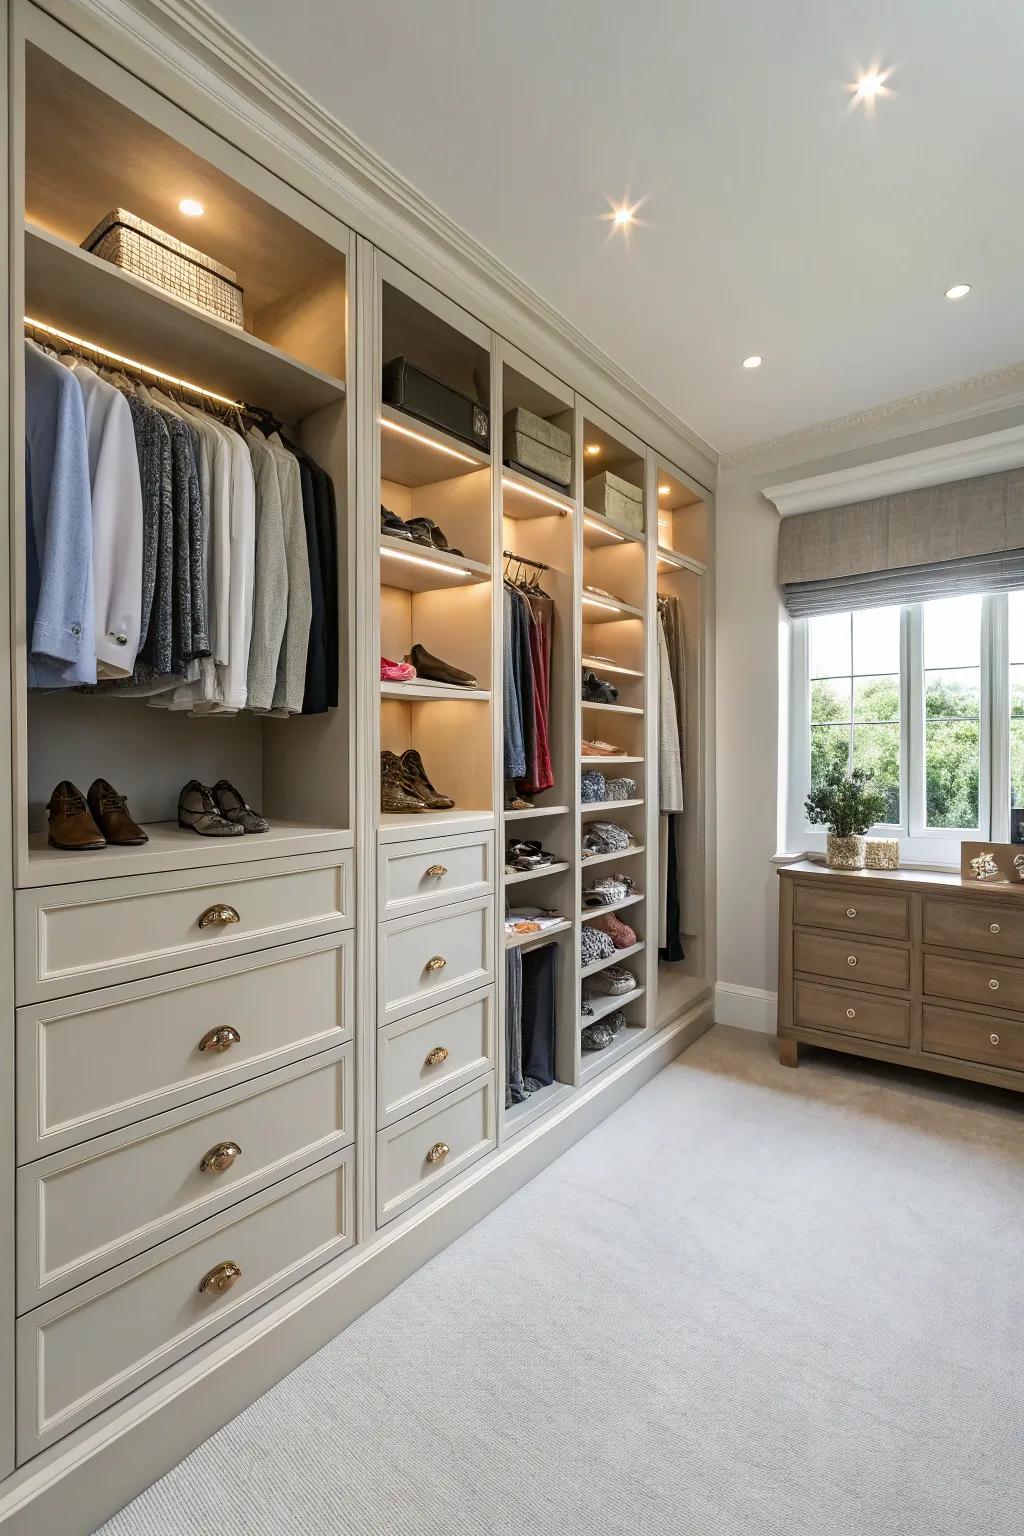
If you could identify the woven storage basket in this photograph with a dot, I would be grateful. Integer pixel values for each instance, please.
(128, 242)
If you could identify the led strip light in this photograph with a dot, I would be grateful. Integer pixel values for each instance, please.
(428, 442)
(131, 362)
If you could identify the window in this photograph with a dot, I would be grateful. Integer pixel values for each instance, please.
(929, 698)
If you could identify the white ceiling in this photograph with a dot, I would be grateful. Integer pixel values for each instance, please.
(778, 221)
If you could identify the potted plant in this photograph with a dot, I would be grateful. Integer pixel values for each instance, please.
(846, 804)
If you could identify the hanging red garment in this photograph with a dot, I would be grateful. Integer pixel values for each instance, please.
(538, 768)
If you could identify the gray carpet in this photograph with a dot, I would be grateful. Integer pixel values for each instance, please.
(754, 1302)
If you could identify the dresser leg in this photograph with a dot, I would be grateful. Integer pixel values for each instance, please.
(789, 1052)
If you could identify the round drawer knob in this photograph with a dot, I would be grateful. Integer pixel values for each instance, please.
(220, 1279)
(218, 916)
(851, 911)
(994, 1039)
(436, 963)
(851, 959)
(436, 1056)
(220, 1157)
(993, 927)
(851, 1013)
(994, 985)
(435, 872)
(221, 1039)
(438, 1152)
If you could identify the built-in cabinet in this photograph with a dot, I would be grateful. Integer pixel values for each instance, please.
(233, 1066)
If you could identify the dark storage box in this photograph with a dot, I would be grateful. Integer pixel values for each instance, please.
(422, 395)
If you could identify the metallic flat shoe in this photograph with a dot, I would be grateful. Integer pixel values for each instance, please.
(233, 808)
(197, 812)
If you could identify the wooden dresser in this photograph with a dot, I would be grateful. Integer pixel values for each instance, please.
(913, 967)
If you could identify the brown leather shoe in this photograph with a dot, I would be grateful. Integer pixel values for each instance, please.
(71, 822)
(110, 811)
(396, 798)
(417, 783)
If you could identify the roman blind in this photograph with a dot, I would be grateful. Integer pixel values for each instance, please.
(966, 536)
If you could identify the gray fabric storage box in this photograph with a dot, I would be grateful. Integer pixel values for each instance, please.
(615, 498)
(538, 446)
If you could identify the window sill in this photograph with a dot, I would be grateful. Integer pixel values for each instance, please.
(813, 856)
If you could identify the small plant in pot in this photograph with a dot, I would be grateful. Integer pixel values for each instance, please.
(846, 804)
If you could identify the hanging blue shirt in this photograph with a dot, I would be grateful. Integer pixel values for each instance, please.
(58, 515)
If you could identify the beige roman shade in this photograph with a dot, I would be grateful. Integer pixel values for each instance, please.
(967, 536)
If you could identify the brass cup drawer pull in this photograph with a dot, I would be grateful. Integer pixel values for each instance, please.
(993, 927)
(851, 1013)
(438, 1152)
(436, 963)
(851, 911)
(220, 1279)
(994, 1039)
(994, 985)
(851, 959)
(220, 915)
(221, 1039)
(220, 1157)
(436, 1056)
(435, 872)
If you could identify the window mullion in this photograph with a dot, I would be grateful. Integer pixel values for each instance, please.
(915, 721)
(995, 718)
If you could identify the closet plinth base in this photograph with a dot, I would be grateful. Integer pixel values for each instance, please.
(789, 1052)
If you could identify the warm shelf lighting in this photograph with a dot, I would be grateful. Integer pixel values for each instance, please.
(610, 666)
(663, 490)
(599, 602)
(131, 362)
(428, 442)
(191, 208)
(432, 565)
(592, 449)
(528, 490)
(600, 524)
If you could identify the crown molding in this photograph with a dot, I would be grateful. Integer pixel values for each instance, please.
(965, 400)
(183, 41)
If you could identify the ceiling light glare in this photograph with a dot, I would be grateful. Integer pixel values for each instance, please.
(869, 87)
(753, 361)
(191, 208)
(958, 291)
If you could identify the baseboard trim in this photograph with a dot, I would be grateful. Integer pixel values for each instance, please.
(76, 1486)
(746, 1007)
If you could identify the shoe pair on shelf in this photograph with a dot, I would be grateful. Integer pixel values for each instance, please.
(616, 981)
(217, 811)
(415, 530)
(404, 786)
(620, 933)
(597, 1037)
(598, 690)
(81, 823)
(526, 854)
(600, 749)
(604, 892)
(429, 669)
(602, 837)
(595, 788)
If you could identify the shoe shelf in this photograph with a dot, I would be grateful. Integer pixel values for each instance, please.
(171, 847)
(611, 906)
(525, 498)
(420, 691)
(401, 826)
(608, 610)
(414, 453)
(596, 664)
(613, 709)
(517, 876)
(537, 810)
(418, 568)
(536, 1105)
(608, 805)
(523, 940)
(599, 531)
(591, 762)
(608, 858)
(616, 959)
(596, 1062)
(603, 1005)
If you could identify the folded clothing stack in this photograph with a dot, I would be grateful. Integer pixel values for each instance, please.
(611, 496)
(531, 920)
(595, 945)
(605, 837)
(538, 446)
(595, 788)
(604, 892)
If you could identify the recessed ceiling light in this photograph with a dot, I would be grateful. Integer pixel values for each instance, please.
(191, 208)
(753, 361)
(663, 490)
(592, 449)
(958, 291)
(621, 217)
(868, 87)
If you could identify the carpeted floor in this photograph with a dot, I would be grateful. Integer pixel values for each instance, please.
(754, 1302)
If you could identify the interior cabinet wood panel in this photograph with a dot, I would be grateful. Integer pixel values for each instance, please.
(852, 959)
(883, 917)
(972, 925)
(852, 1013)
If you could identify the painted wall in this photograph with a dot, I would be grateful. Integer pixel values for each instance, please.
(752, 639)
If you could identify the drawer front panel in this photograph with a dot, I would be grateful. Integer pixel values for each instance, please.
(420, 876)
(974, 981)
(90, 1347)
(101, 932)
(975, 925)
(436, 956)
(881, 917)
(409, 1071)
(852, 960)
(430, 1147)
(109, 1058)
(852, 1013)
(81, 1212)
(970, 1037)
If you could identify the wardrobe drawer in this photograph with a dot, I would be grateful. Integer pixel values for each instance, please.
(883, 917)
(975, 925)
(108, 1058)
(73, 937)
(438, 955)
(972, 1037)
(873, 964)
(428, 1148)
(411, 1069)
(93, 1345)
(417, 877)
(974, 981)
(851, 1013)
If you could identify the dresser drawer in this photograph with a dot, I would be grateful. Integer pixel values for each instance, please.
(100, 932)
(974, 981)
(435, 956)
(975, 925)
(93, 1345)
(420, 876)
(411, 1069)
(971, 1037)
(871, 964)
(428, 1148)
(851, 1013)
(108, 1058)
(881, 916)
(82, 1211)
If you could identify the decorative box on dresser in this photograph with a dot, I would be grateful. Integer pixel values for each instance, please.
(909, 966)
